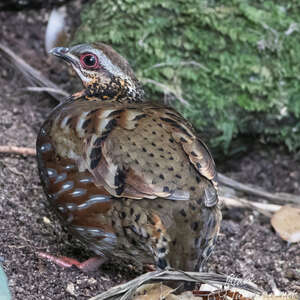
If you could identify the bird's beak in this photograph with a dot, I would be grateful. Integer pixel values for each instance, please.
(63, 53)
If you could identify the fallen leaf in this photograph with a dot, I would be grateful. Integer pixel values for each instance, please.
(158, 291)
(153, 291)
(286, 222)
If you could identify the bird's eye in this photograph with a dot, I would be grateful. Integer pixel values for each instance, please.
(89, 61)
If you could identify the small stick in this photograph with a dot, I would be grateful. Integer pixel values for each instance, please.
(32, 75)
(46, 89)
(281, 198)
(18, 150)
(264, 208)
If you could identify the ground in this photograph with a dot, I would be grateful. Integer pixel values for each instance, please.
(247, 246)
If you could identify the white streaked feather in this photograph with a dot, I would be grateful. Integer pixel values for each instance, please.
(102, 125)
(106, 112)
(80, 122)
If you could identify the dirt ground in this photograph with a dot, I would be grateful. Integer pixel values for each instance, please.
(247, 246)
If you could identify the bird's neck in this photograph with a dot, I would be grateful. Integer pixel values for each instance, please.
(114, 90)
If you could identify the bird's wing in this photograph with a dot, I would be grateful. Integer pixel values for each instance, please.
(146, 151)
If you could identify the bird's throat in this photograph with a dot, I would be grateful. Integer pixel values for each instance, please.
(115, 90)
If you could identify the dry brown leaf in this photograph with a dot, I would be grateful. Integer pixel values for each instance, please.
(158, 291)
(153, 291)
(286, 222)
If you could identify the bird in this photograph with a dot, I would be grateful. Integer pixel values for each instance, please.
(129, 177)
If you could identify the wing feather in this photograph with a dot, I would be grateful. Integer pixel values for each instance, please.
(127, 168)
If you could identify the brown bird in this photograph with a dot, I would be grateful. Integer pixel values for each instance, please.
(131, 178)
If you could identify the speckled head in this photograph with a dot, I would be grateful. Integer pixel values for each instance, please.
(103, 72)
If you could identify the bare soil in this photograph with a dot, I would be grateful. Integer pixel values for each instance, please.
(247, 246)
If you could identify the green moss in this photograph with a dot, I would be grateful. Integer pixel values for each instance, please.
(236, 62)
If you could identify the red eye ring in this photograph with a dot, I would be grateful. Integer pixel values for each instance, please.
(89, 61)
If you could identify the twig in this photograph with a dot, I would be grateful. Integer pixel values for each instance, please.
(33, 76)
(166, 89)
(127, 289)
(264, 208)
(46, 89)
(18, 150)
(280, 198)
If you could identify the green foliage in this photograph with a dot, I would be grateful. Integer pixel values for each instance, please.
(236, 62)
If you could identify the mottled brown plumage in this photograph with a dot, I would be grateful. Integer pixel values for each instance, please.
(131, 178)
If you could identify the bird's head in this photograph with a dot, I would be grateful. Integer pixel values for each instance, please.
(104, 73)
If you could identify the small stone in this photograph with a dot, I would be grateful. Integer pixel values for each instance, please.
(46, 220)
(71, 289)
(94, 281)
